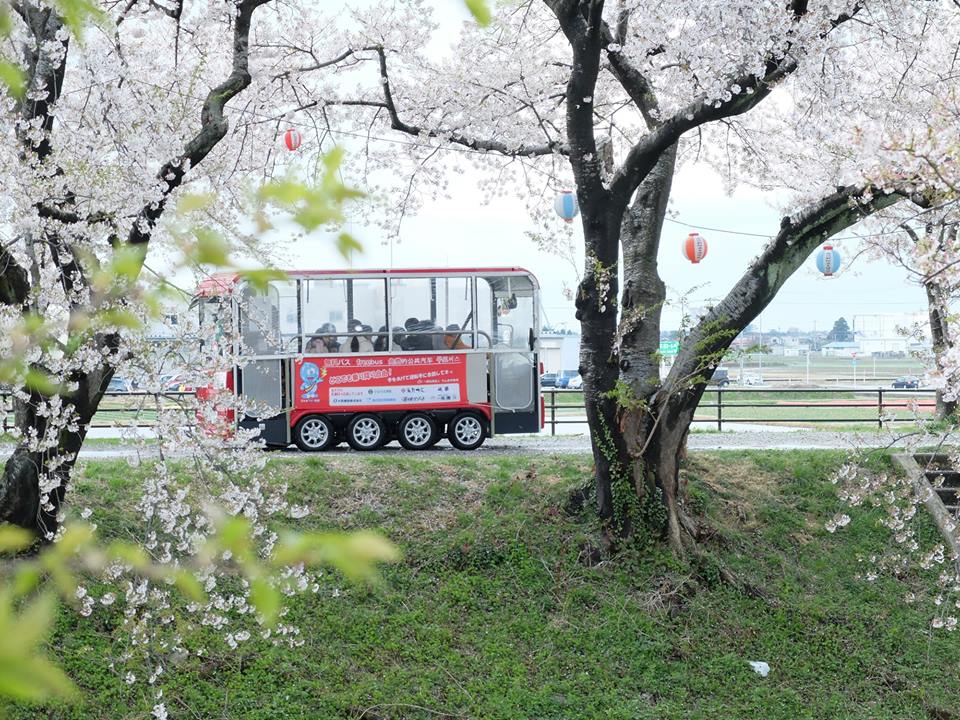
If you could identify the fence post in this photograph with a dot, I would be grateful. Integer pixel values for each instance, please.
(719, 409)
(553, 411)
(880, 408)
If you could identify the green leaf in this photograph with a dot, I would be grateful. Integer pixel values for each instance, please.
(12, 77)
(25, 674)
(127, 261)
(120, 318)
(260, 279)
(211, 248)
(77, 14)
(6, 25)
(479, 10)
(234, 535)
(26, 580)
(15, 538)
(194, 201)
(346, 244)
(189, 586)
(265, 598)
(40, 382)
(353, 554)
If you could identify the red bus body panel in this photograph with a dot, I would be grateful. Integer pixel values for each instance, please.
(381, 382)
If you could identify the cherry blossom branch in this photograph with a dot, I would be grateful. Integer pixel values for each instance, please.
(746, 91)
(549, 148)
(212, 130)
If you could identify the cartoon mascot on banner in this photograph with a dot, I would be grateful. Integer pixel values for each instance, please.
(312, 377)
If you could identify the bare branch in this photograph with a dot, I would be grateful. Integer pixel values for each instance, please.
(324, 63)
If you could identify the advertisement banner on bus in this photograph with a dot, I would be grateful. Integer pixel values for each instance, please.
(335, 383)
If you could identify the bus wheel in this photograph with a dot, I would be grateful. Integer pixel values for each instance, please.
(466, 431)
(417, 431)
(366, 432)
(313, 433)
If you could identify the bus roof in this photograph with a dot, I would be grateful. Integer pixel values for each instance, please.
(221, 283)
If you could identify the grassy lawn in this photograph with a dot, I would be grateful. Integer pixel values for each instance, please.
(492, 614)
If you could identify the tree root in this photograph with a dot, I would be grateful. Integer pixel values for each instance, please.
(708, 566)
(579, 498)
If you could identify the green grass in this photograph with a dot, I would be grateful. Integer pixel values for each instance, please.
(491, 614)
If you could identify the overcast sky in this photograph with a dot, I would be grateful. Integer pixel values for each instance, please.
(463, 231)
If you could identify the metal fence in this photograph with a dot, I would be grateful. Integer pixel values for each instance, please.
(565, 407)
(887, 403)
(132, 409)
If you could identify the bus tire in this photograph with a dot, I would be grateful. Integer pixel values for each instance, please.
(466, 431)
(366, 431)
(314, 433)
(417, 431)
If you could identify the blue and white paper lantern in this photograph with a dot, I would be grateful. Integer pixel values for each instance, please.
(828, 260)
(566, 205)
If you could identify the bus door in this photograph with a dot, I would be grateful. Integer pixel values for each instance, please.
(506, 305)
(264, 374)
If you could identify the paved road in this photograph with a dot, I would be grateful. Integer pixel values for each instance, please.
(758, 438)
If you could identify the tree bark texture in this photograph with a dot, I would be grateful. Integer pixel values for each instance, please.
(939, 313)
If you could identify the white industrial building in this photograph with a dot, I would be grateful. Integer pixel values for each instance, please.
(891, 334)
(559, 352)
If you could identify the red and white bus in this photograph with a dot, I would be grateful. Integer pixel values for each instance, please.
(369, 356)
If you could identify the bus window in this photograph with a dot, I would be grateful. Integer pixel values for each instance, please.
(455, 312)
(324, 306)
(414, 310)
(289, 322)
(505, 310)
(368, 316)
(260, 320)
(431, 313)
(214, 316)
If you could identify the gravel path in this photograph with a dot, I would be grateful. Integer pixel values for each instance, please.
(754, 438)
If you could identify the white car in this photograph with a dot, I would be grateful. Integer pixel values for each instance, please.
(751, 379)
(575, 383)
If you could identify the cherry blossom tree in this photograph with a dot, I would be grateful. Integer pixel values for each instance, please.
(613, 97)
(110, 129)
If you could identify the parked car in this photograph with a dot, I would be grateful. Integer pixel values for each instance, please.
(564, 378)
(749, 378)
(119, 385)
(720, 377)
(575, 383)
(175, 383)
(911, 383)
(548, 380)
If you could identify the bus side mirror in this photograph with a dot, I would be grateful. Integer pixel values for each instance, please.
(531, 339)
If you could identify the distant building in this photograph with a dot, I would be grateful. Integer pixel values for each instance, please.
(840, 349)
(891, 334)
(559, 352)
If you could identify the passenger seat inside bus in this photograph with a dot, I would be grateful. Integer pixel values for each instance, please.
(357, 343)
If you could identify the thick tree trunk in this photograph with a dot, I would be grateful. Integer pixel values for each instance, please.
(639, 458)
(34, 483)
(596, 304)
(645, 450)
(938, 311)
